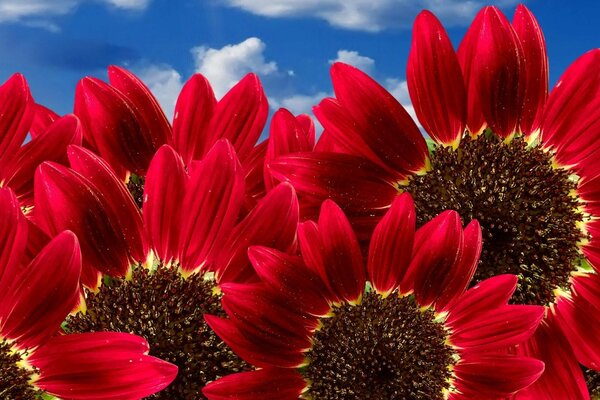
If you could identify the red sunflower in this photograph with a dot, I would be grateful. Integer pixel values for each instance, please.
(161, 272)
(322, 326)
(18, 160)
(35, 297)
(503, 151)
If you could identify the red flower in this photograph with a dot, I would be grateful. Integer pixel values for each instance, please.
(34, 301)
(524, 163)
(18, 160)
(163, 265)
(315, 331)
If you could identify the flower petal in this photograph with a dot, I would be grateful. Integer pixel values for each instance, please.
(193, 112)
(13, 239)
(435, 81)
(483, 297)
(120, 206)
(391, 246)
(16, 114)
(490, 56)
(335, 253)
(163, 190)
(100, 365)
(240, 116)
(213, 198)
(112, 128)
(572, 114)
(288, 274)
(287, 135)
(144, 104)
(438, 247)
(562, 377)
(43, 118)
(272, 223)
(44, 293)
(262, 384)
(535, 68)
(380, 120)
(579, 319)
(495, 376)
(50, 146)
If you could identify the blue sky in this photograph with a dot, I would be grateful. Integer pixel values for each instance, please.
(289, 43)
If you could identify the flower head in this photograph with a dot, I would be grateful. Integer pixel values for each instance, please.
(521, 161)
(322, 326)
(35, 297)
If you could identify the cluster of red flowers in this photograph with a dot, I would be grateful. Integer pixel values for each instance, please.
(187, 261)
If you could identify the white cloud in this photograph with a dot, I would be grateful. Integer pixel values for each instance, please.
(351, 57)
(367, 15)
(19, 10)
(299, 103)
(399, 89)
(165, 83)
(224, 67)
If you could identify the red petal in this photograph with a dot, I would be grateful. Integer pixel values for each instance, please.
(13, 239)
(263, 384)
(438, 247)
(435, 81)
(391, 245)
(287, 135)
(258, 348)
(354, 183)
(240, 116)
(43, 118)
(112, 128)
(16, 114)
(50, 146)
(163, 190)
(336, 253)
(490, 56)
(572, 114)
(147, 109)
(272, 223)
(487, 295)
(76, 206)
(256, 308)
(495, 376)
(100, 365)
(254, 166)
(579, 319)
(464, 268)
(381, 121)
(193, 112)
(120, 206)
(290, 276)
(45, 292)
(212, 201)
(562, 377)
(501, 327)
(535, 68)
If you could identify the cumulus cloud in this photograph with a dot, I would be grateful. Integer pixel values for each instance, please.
(351, 57)
(165, 83)
(224, 67)
(299, 103)
(25, 10)
(367, 15)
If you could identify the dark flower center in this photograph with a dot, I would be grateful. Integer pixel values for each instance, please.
(167, 310)
(525, 206)
(592, 380)
(14, 380)
(382, 349)
(135, 185)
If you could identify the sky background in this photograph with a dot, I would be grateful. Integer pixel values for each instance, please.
(289, 43)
